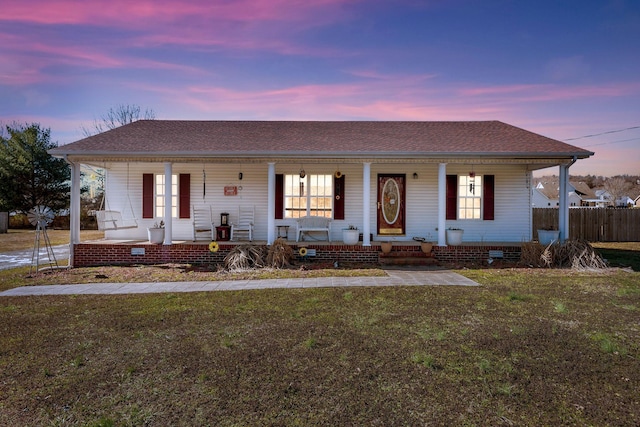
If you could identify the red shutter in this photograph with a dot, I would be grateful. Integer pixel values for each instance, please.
(184, 199)
(452, 196)
(338, 202)
(279, 196)
(488, 197)
(147, 195)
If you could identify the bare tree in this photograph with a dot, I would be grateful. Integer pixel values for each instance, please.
(118, 116)
(617, 188)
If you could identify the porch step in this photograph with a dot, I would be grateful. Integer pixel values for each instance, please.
(406, 258)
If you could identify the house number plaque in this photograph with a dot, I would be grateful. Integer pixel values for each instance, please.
(231, 190)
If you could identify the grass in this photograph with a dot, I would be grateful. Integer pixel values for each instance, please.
(528, 347)
(362, 356)
(16, 240)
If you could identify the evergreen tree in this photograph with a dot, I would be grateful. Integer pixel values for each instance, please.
(29, 175)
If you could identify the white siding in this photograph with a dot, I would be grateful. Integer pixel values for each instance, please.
(512, 203)
(512, 198)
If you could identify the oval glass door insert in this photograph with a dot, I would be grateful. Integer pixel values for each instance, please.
(391, 201)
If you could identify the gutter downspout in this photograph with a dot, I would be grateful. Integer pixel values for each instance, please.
(74, 209)
(563, 213)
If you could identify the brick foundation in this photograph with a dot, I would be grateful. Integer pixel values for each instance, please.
(95, 254)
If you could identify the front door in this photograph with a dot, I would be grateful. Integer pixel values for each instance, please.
(391, 206)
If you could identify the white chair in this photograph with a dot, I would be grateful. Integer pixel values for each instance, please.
(244, 223)
(202, 222)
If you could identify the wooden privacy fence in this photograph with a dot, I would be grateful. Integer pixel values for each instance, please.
(593, 224)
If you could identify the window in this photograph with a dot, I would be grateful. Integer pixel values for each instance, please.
(311, 195)
(469, 197)
(153, 195)
(160, 192)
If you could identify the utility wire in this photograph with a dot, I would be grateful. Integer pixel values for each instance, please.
(603, 133)
(612, 142)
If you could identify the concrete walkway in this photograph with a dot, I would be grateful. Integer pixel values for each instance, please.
(399, 277)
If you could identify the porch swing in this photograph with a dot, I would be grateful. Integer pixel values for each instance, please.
(113, 220)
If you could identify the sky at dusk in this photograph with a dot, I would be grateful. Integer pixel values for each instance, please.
(569, 69)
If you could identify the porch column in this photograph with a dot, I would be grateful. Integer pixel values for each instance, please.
(563, 212)
(366, 204)
(168, 190)
(442, 204)
(271, 203)
(74, 211)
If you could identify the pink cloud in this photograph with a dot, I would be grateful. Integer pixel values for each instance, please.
(552, 92)
(381, 99)
(376, 75)
(205, 40)
(243, 25)
(25, 61)
(126, 13)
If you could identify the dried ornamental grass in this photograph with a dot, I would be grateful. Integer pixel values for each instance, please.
(279, 254)
(245, 257)
(575, 254)
(531, 254)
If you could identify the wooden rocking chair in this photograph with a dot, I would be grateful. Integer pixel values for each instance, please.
(202, 222)
(244, 222)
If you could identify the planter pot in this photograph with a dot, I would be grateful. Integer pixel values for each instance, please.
(156, 235)
(454, 237)
(546, 237)
(386, 247)
(350, 237)
(426, 247)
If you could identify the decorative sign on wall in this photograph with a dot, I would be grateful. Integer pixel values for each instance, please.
(231, 190)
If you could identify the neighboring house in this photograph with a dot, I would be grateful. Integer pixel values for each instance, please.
(393, 180)
(636, 201)
(546, 193)
(625, 201)
(601, 199)
(545, 196)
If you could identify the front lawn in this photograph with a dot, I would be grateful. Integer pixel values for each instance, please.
(528, 347)
(21, 239)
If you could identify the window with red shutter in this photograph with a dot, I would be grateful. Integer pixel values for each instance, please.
(279, 196)
(184, 201)
(488, 198)
(338, 199)
(147, 195)
(452, 196)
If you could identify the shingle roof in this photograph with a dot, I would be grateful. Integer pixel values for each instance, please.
(309, 138)
(583, 189)
(551, 188)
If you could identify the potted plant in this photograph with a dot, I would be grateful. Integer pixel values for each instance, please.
(548, 235)
(351, 235)
(426, 245)
(454, 236)
(385, 246)
(156, 233)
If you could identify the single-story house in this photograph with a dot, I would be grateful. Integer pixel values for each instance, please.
(603, 199)
(546, 193)
(392, 180)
